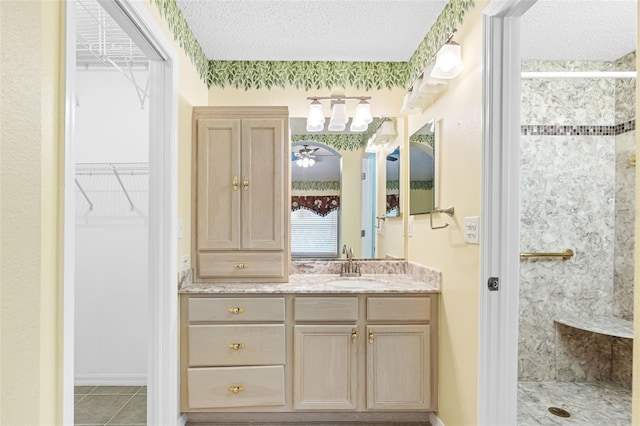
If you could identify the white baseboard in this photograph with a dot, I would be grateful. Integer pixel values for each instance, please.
(435, 420)
(110, 380)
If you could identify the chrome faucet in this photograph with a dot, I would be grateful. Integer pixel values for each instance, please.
(349, 268)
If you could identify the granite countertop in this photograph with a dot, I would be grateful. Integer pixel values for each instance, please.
(320, 277)
(308, 283)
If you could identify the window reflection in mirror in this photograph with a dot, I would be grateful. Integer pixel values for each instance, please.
(315, 200)
(422, 170)
(393, 183)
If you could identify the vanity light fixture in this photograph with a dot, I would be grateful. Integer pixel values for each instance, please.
(448, 61)
(339, 117)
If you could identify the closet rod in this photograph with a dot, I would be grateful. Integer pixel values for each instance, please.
(578, 74)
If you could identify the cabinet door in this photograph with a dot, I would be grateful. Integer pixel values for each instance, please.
(325, 367)
(398, 367)
(263, 176)
(218, 202)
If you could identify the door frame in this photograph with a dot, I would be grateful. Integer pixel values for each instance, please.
(499, 253)
(162, 354)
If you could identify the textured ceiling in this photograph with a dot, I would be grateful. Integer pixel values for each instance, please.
(579, 29)
(390, 30)
(310, 30)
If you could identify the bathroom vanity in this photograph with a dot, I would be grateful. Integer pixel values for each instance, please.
(317, 344)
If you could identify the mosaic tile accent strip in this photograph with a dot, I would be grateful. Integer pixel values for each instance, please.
(553, 130)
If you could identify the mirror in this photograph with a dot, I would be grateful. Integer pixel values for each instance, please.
(422, 170)
(393, 183)
(329, 207)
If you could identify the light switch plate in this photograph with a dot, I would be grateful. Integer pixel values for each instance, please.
(472, 230)
(180, 227)
(410, 227)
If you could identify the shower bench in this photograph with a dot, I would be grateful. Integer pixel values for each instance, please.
(593, 349)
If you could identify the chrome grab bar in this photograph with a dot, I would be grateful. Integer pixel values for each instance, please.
(565, 255)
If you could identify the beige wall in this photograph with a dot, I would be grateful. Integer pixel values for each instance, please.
(459, 113)
(31, 152)
(30, 111)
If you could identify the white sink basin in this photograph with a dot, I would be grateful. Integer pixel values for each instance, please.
(357, 283)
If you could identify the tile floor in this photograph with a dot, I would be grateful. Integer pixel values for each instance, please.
(111, 405)
(598, 403)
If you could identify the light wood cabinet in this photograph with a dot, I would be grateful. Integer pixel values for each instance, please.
(325, 367)
(398, 360)
(232, 352)
(374, 354)
(241, 190)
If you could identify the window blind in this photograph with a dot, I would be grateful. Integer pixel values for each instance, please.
(313, 235)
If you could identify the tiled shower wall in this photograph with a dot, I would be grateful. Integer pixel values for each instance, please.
(570, 156)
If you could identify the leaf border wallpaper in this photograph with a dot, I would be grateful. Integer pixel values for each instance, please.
(313, 74)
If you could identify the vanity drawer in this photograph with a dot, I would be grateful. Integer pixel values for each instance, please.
(326, 308)
(213, 345)
(255, 386)
(399, 308)
(241, 264)
(236, 309)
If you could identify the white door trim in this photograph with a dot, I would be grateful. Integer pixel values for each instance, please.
(162, 373)
(499, 253)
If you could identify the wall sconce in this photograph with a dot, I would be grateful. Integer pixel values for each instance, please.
(339, 117)
(446, 65)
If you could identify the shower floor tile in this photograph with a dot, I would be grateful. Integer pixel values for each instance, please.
(596, 403)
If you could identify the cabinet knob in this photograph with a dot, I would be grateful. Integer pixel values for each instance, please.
(236, 310)
(371, 335)
(236, 389)
(241, 265)
(235, 183)
(236, 346)
(354, 335)
(245, 184)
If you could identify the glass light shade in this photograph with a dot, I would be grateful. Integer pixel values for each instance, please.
(339, 118)
(432, 85)
(315, 127)
(336, 127)
(417, 98)
(448, 62)
(316, 115)
(363, 113)
(305, 162)
(406, 109)
(358, 127)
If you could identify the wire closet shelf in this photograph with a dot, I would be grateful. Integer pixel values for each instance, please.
(116, 169)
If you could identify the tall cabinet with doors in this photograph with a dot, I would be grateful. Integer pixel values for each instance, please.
(240, 182)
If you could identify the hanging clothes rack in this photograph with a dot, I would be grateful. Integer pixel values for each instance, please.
(101, 42)
(116, 169)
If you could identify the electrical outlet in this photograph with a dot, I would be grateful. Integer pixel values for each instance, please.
(472, 230)
(184, 262)
(410, 227)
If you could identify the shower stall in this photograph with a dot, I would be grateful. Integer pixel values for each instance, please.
(578, 193)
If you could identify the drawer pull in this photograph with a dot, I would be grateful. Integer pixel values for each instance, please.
(354, 334)
(236, 389)
(241, 265)
(236, 310)
(371, 336)
(236, 346)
